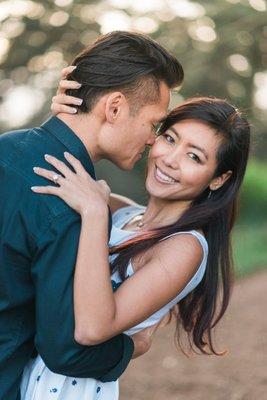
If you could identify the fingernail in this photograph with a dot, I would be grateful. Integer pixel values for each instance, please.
(35, 169)
(78, 102)
(47, 156)
(78, 85)
(33, 187)
(74, 67)
(66, 153)
(73, 110)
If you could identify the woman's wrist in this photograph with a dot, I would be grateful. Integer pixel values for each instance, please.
(90, 212)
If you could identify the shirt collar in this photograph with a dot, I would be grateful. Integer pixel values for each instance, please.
(65, 135)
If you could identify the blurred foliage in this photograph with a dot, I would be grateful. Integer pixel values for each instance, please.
(253, 208)
(249, 245)
(222, 45)
(250, 232)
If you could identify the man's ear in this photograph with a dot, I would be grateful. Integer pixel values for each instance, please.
(115, 102)
(218, 182)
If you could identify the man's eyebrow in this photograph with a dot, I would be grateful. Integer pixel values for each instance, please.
(190, 145)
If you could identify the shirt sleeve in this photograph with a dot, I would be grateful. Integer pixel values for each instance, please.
(53, 271)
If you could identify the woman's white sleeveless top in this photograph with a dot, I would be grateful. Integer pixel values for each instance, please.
(118, 235)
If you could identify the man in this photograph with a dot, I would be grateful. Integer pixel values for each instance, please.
(125, 82)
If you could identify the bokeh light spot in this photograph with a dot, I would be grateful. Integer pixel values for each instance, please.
(259, 5)
(59, 18)
(114, 20)
(239, 63)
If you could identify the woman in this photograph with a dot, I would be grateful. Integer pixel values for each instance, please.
(171, 252)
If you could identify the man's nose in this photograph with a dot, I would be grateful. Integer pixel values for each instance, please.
(151, 139)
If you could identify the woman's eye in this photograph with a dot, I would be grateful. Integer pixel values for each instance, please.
(168, 138)
(194, 157)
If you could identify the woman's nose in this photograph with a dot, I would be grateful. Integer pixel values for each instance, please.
(172, 159)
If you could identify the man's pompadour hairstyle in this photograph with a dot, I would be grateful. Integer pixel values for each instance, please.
(130, 62)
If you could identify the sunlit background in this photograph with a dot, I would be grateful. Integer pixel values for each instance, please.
(222, 45)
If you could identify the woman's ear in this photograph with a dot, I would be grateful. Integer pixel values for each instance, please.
(219, 181)
(115, 102)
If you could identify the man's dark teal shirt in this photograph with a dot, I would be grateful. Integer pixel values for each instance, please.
(38, 246)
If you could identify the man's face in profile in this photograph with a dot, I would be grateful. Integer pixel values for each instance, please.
(132, 132)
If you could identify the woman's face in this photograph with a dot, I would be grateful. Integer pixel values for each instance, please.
(182, 162)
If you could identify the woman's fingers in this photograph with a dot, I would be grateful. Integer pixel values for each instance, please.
(46, 189)
(65, 84)
(76, 164)
(59, 165)
(65, 99)
(61, 108)
(74, 188)
(60, 101)
(45, 173)
(67, 70)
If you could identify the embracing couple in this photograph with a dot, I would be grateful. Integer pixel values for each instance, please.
(87, 276)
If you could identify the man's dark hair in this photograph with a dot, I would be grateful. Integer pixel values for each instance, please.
(130, 62)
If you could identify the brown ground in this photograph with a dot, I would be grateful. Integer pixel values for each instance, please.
(163, 373)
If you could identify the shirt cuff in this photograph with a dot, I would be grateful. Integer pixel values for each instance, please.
(117, 371)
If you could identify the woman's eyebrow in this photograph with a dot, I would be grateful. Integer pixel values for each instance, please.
(190, 144)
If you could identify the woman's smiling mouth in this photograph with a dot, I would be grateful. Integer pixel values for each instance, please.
(161, 177)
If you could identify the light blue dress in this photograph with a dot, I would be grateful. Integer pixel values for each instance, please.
(39, 383)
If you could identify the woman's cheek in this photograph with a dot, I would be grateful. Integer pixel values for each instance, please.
(192, 174)
(158, 149)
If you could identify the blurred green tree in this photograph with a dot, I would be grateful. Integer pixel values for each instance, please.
(222, 45)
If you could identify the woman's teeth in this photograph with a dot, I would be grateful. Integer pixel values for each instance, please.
(160, 176)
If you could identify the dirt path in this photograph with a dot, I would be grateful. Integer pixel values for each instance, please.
(164, 373)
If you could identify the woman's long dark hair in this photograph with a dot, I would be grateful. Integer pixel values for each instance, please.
(215, 214)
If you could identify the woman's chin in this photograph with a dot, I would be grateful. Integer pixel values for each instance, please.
(153, 191)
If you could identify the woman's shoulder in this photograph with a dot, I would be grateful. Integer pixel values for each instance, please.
(184, 252)
(197, 234)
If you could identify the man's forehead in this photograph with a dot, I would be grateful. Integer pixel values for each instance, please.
(161, 116)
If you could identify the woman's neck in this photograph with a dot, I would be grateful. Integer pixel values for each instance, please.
(160, 212)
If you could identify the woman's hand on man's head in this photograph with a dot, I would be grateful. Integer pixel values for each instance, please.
(61, 102)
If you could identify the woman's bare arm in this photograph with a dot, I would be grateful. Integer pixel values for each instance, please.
(101, 314)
